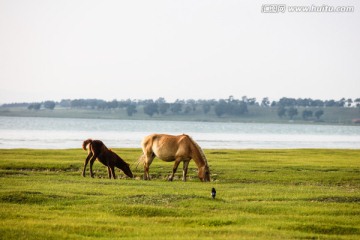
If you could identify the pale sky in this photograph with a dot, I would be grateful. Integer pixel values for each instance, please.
(141, 49)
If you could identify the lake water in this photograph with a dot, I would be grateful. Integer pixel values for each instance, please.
(61, 133)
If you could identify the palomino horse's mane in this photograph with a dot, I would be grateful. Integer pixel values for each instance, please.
(200, 150)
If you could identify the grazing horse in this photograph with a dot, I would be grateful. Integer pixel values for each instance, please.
(170, 148)
(97, 149)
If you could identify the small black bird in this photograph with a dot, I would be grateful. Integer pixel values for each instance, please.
(213, 193)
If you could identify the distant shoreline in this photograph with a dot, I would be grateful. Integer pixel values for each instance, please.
(332, 115)
(53, 133)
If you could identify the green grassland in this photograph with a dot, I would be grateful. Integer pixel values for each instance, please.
(261, 194)
(256, 114)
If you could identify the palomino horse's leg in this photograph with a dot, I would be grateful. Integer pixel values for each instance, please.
(86, 163)
(147, 162)
(185, 169)
(176, 164)
(92, 160)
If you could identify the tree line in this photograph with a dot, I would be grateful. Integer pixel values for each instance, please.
(292, 112)
(222, 107)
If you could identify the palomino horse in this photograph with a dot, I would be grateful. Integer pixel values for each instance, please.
(170, 148)
(97, 149)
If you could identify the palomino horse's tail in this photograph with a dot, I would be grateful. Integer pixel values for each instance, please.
(140, 160)
(85, 143)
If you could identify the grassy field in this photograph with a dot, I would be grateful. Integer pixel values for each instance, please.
(261, 194)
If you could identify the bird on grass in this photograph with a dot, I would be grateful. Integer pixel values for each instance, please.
(213, 193)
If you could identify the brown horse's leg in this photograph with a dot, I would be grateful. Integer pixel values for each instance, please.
(112, 168)
(185, 169)
(92, 160)
(86, 163)
(176, 164)
(109, 172)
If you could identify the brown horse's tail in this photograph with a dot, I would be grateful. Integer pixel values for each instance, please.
(85, 143)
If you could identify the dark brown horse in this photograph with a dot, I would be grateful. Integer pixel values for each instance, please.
(98, 150)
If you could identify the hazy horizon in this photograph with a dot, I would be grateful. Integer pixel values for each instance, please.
(53, 50)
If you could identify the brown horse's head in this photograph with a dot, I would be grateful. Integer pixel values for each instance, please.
(121, 164)
(204, 173)
(126, 170)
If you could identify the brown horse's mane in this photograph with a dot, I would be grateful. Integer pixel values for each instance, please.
(199, 150)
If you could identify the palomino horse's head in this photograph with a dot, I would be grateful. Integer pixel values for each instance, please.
(204, 173)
